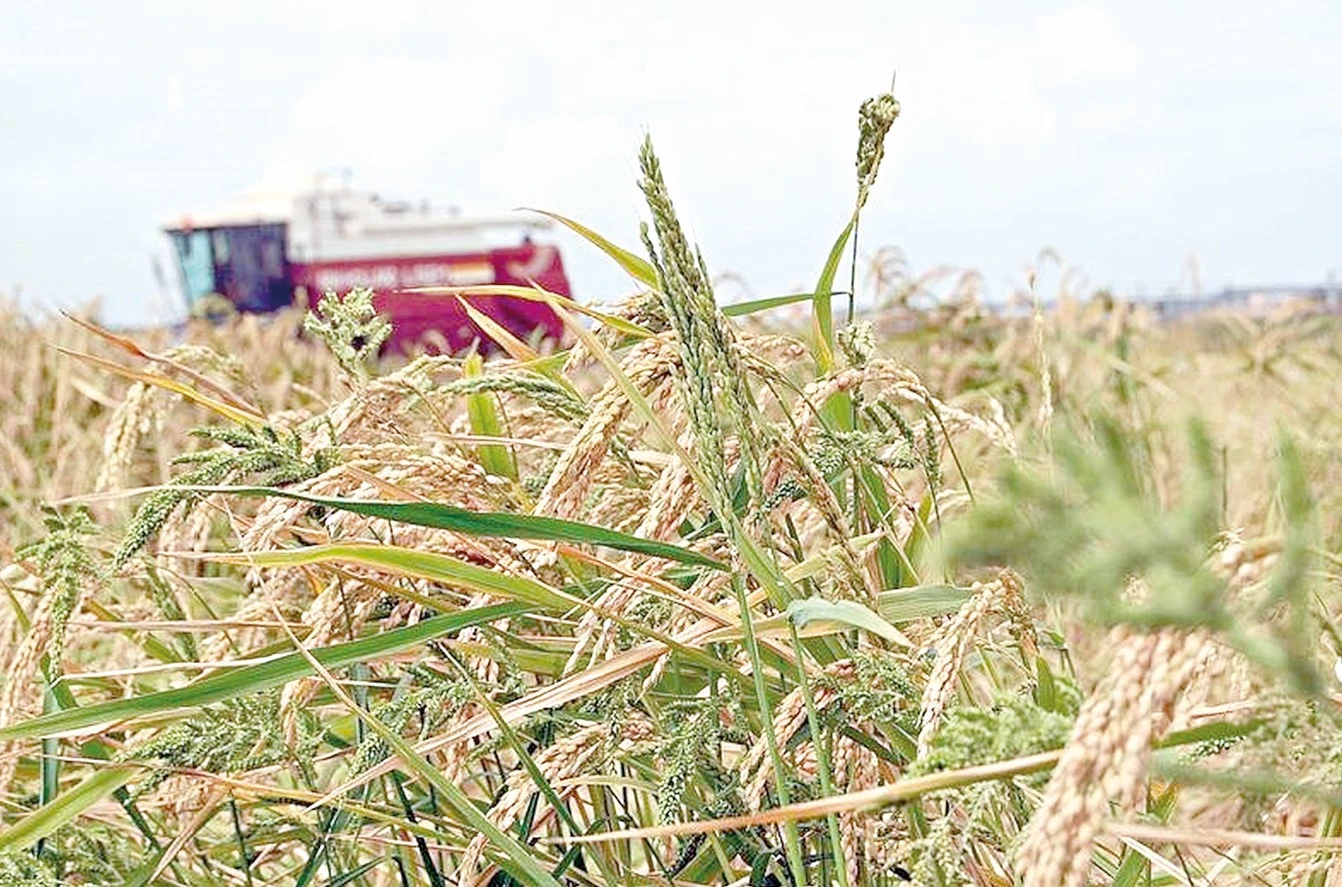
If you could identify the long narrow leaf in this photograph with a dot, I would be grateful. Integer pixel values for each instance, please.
(130, 346)
(639, 269)
(228, 411)
(516, 349)
(533, 294)
(908, 789)
(740, 309)
(848, 613)
(64, 808)
(867, 799)
(822, 327)
(920, 602)
(492, 524)
(515, 858)
(495, 459)
(439, 568)
(255, 678)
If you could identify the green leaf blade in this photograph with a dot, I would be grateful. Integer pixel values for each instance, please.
(488, 524)
(848, 613)
(637, 268)
(257, 677)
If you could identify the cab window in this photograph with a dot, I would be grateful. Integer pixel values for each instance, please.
(195, 260)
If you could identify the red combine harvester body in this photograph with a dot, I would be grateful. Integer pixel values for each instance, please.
(321, 236)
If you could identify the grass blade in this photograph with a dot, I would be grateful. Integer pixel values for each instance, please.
(848, 613)
(133, 348)
(535, 294)
(254, 678)
(495, 459)
(920, 602)
(64, 808)
(822, 314)
(515, 858)
(916, 787)
(740, 309)
(239, 415)
(407, 562)
(638, 268)
(867, 799)
(514, 347)
(496, 524)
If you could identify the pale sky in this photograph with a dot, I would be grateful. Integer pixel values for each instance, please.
(1127, 136)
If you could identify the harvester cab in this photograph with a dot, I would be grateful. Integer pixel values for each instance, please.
(246, 264)
(272, 247)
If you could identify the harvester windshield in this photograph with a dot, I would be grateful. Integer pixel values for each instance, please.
(245, 263)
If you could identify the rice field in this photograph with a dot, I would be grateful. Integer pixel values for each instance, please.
(706, 597)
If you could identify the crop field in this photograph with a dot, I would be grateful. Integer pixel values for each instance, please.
(709, 596)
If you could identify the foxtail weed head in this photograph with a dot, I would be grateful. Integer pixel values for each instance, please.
(874, 120)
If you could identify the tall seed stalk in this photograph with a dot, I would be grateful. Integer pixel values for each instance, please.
(708, 368)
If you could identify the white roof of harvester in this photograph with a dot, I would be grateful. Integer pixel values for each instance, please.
(271, 201)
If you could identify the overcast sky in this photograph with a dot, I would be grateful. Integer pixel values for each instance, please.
(1127, 136)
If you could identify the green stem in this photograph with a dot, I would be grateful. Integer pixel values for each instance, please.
(822, 759)
(762, 700)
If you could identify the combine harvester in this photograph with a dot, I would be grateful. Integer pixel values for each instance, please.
(272, 248)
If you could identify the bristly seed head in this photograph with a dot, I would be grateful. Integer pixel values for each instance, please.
(874, 120)
(67, 567)
(713, 376)
(350, 327)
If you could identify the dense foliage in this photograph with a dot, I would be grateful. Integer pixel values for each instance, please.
(711, 596)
